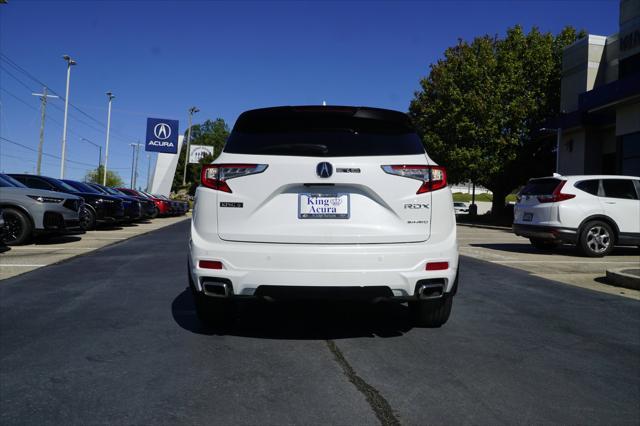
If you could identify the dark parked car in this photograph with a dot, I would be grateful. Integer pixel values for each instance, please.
(98, 208)
(132, 209)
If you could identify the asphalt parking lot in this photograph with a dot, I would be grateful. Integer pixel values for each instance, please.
(502, 247)
(119, 342)
(45, 251)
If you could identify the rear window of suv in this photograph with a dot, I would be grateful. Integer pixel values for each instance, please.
(589, 186)
(323, 132)
(544, 186)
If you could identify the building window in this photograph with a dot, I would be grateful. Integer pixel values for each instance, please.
(631, 154)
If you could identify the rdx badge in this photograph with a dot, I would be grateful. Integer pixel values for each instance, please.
(416, 206)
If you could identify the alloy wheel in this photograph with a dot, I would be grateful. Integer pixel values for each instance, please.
(598, 239)
(13, 228)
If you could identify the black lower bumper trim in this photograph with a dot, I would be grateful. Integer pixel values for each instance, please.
(553, 233)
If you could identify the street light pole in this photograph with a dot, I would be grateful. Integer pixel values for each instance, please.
(192, 111)
(106, 151)
(558, 132)
(43, 99)
(135, 147)
(70, 63)
(133, 160)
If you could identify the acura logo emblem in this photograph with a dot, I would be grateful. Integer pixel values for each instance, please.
(324, 169)
(162, 131)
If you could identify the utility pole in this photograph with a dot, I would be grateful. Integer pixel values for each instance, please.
(134, 163)
(99, 154)
(70, 63)
(43, 99)
(106, 153)
(192, 111)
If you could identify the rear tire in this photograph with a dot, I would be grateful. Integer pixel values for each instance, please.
(431, 313)
(542, 244)
(18, 227)
(596, 239)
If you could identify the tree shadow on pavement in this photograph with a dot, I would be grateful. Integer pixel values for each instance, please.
(564, 250)
(300, 320)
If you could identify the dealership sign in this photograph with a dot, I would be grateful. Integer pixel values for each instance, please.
(198, 152)
(162, 135)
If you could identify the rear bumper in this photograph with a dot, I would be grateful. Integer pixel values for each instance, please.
(251, 269)
(554, 233)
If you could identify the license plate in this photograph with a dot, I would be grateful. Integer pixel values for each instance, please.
(323, 206)
(527, 217)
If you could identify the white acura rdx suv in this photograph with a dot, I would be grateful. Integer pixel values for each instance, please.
(324, 202)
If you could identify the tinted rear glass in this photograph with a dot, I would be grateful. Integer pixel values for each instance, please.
(619, 188)
(589, 186)
(318, 133)
(543, 186)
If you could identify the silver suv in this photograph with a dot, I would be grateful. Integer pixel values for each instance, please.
(28, 211)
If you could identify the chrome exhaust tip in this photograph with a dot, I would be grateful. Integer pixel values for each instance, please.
(430, 290)
(216, 288)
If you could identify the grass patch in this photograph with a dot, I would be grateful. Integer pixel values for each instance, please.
(466, 198)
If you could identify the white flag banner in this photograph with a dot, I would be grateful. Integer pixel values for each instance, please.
(197, 152)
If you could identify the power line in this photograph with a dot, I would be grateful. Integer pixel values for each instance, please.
(18, 99)
(44, 153)
(32, 77)
(23, 84)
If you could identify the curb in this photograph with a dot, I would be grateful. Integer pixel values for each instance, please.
(624, 278)
(473, 225)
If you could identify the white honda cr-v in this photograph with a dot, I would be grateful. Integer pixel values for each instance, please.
(594, 212)
(328, 202)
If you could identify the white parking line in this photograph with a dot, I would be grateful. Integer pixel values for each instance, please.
(16, 265)
(52, 248)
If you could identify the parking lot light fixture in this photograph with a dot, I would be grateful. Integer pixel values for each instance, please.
(558, 132)
(106, 152)
(192, 111)
(70, 63)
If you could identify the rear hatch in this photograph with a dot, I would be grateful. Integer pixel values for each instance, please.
(318, 175)
(534, 204)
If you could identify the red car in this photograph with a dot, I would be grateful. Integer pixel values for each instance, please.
(163, 206)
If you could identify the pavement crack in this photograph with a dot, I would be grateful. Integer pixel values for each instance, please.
(376, 401)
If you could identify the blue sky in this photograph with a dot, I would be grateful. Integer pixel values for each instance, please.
(161, 57)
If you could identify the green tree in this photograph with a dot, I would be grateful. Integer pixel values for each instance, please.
(480, 109)
(96, 176)
(213, 133)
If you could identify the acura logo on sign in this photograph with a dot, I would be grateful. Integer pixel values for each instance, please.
(324, 169)
(162, 131)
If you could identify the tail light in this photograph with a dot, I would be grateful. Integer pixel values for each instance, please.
(215, 176)
(432, 177)
(556, 195)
